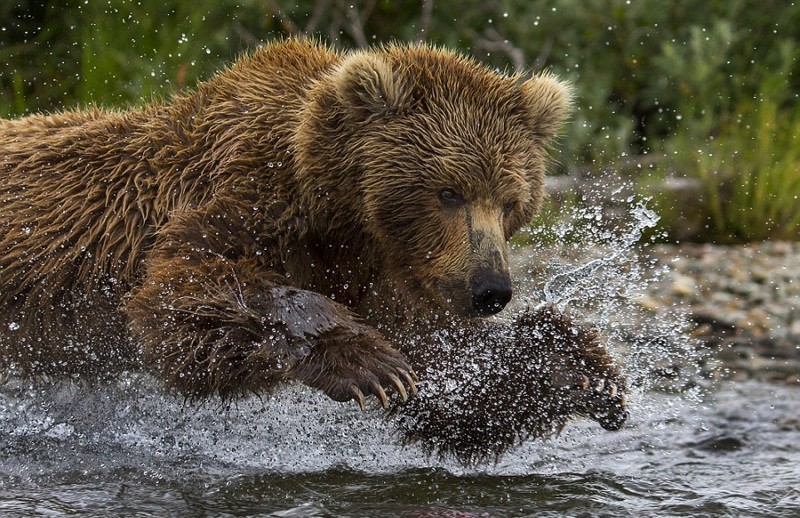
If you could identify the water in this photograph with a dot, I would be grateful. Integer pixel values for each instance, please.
(691, 447)
(127, 449)
(563, 287)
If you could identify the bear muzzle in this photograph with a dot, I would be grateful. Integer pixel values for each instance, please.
(490, 292)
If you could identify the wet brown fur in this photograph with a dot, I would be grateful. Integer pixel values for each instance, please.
(281, 221)
(552, 369)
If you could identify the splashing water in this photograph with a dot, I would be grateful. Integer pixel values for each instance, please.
(597, 265)
(563, 287)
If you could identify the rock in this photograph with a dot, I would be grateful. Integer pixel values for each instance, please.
(794, 329)
(745, 302)
(683, 285)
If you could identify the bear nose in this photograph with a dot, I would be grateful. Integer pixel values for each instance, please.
(490, 292)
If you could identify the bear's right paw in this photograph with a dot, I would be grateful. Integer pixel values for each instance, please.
(353, 370)
(601, 399)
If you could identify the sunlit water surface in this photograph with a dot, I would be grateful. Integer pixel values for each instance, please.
(128, 448)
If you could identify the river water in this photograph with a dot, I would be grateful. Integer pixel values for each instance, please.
(692, 447)
(128, 449)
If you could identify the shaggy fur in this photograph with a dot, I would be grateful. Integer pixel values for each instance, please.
(304, 215)
(552, 370)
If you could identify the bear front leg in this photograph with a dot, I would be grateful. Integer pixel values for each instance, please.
(580, 371)
(227, 326)
(489, 386)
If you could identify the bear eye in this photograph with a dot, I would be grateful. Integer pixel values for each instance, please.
(450, 198)
(508, 207)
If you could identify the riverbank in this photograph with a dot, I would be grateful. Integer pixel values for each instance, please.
(687, 312)
(744, 302)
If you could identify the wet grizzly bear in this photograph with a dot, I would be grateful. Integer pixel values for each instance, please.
(339, 219)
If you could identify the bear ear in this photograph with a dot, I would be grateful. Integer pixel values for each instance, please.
(547, 102)
(367, 83)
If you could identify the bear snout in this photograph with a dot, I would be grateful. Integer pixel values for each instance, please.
(490, 292)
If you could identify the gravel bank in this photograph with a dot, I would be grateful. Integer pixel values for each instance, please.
(744, 300)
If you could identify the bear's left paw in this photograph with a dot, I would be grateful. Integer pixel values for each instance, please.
(369, 374)
(357, 366)
(601, 399)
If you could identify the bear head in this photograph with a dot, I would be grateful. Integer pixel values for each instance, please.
(436, 160)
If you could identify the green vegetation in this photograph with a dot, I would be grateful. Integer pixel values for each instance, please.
(750, 170)
(702, 91)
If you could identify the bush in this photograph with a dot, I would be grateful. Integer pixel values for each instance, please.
(655, 81)
(749, 171)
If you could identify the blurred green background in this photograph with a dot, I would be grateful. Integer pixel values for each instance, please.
(694, 103)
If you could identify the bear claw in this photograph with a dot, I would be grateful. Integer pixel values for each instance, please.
(399, 386)
(600, 386)
(381, 394)
(359, 396)
(376, 388)
(602, 400)
(608, 405)
(410, 378)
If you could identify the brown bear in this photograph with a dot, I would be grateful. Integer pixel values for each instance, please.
(339, 219)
